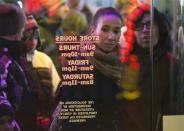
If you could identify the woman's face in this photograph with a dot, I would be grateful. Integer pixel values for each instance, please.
(109, 30)
(143, 32)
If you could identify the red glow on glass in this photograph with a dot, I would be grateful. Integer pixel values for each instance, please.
(124, 59)
(130, 24)
(132, 17)
(45, 122)
(135, 66)
(129, 39)
(144, 7)
(137, 12)
(33, 5)
(130, 32)
(125, 52)
(130, 47)
(133, 58)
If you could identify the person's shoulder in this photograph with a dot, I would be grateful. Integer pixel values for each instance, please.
(42, 55)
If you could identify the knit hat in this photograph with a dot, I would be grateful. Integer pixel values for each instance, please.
(5, 108)
(12, 19)
(31, 29)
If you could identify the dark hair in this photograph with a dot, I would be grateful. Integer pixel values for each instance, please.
(163, 25)
(164, 28)
(102, 12)
(164, 42)
(160, 20)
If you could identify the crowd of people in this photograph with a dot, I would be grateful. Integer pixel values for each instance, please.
(132, 81)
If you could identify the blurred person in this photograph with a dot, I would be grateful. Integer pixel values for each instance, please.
(14, 82)
(50, 25)
(81, 6)
(106, 24)
(144, 112)
(12, 21)
(50, 7)
(40, 71)
(74, 23)
(38, 58)
(125, 7)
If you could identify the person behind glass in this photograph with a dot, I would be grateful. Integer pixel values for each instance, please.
(140, 114)
(107, 72)
(40, 70)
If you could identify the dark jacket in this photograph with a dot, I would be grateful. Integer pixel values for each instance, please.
(103, 93)
(155, 83)
(17, 89)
